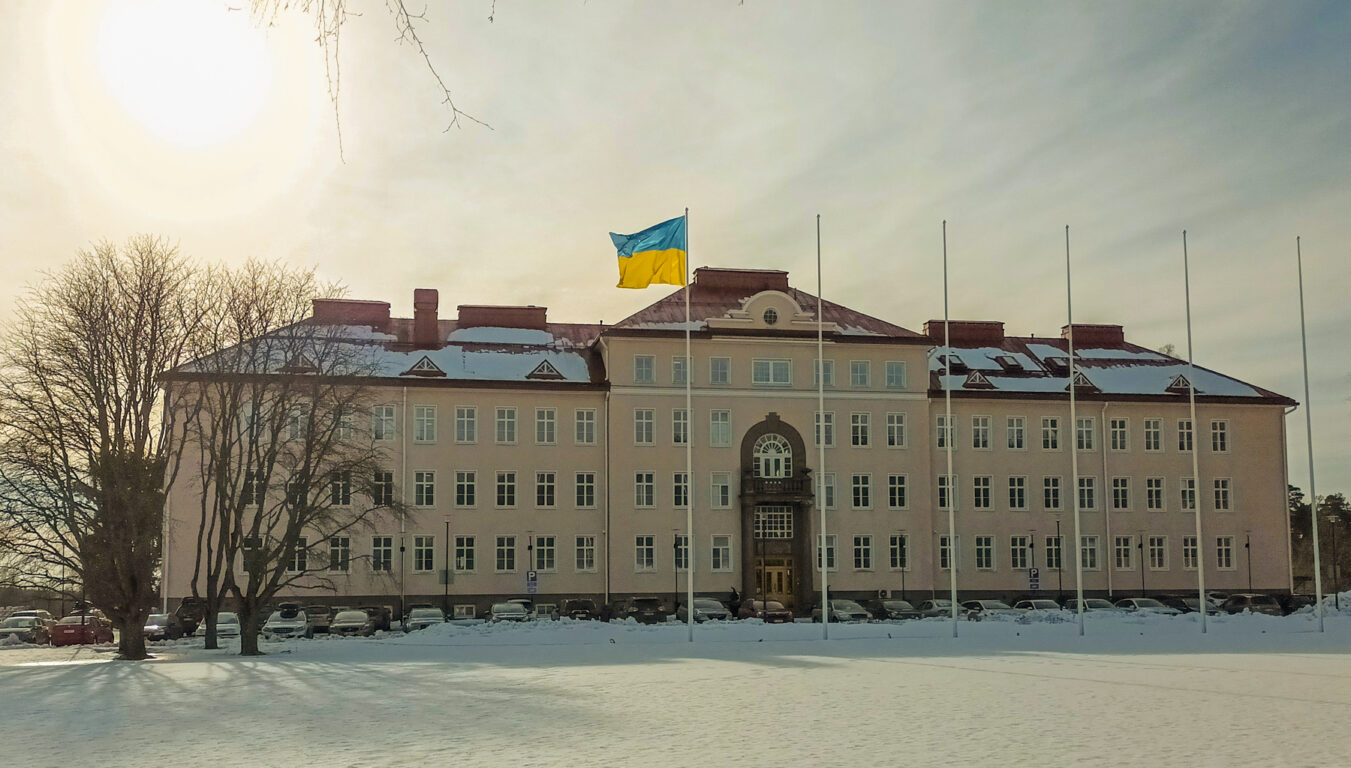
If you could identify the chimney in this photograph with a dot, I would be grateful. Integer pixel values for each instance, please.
(1089, 335)
(425, 333)
(351, 312)
(967, 332)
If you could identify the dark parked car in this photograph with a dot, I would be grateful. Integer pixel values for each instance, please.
(893, 610)
(320, 617)
(1292, 603)
(771, 611)
(1188, 604)
(508, 612)
(844, 611)
(581, 609)
(1145, 605)
(381, 614)
(82, 629)
(26, 629)
(937, 607)
(163, 626)
(645, 610)
(1248, 601)
(705, 609)
(190, 613)
(352, 623)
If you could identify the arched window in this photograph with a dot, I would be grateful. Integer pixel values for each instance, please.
(773, 457)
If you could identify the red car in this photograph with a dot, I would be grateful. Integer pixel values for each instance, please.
(82, 630)
(772, 611)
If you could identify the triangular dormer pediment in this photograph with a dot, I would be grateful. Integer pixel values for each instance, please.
(299, 364)
(545, 371)
(977, 380)
(1081, 382)
(1180, 385)
(424, 367)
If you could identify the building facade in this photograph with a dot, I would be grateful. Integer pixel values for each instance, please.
(527, 448)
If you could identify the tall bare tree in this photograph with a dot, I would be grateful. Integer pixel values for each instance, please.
(84, 453)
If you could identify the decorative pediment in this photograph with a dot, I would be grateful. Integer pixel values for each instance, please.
(546, 371)
(1081, 382)
(1180, 385)
(771, 310)
(424, 367)
(299, 364)
(977, 380)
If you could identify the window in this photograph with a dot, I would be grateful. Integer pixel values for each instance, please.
(644, 553)
(945, 485)
(1018, 493)
(382, 553)
(424, 423)
(985, 553)
(1088, 493)
(424, 554)
(1120, 434)
(424, 488)
(1224, 553)
(340, 491)
(1188, 493)
(545, 554)
(859, 426)
(1184, 435)
(465, 610)
(1219, 436)
(1018, 549)
(297, 424)
(1121, 493)
(895, 430)
(1050, 494)
(382, 489)
(980, 490)
(346, 430)
(863, 553)
(644, 430)
(586, 490)
(770, 373)
(1158, 553)
(862, 486)
(898, 552)
(823, 365)
(506, 554)
(945, 552)
(722, 553)
(719, 371)
(680, 490)
(252, 491)
(1222, 494)
(1050, 434)
(944, 431)
(772, 457)
(644, 490)
(466, 424)
(1084, 432)
(980, 432)
(682, 552)
(546, 420)
(1154, 494)
(466, 488)
(1153, 435)
(1053, 553)
(1188, 553)
(896, 378)
(465, 561)
(1123, 548)
(773, 522)
(770, 316)
(896, 492)
(829, 553)
(339, 553)
(720, 490)
(506, 489)
(860, 374)
(585, 555)
(828, 420)
(382, 422)
(298, 561)
(1016, 430)
(1088, 552)
(680, 426)
(544, 489)
(644, 369)
(584, 426)
(720, 428)
(680, 370)
(297, 494)
(828, 488)
(506, 425)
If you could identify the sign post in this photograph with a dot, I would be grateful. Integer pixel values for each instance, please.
(531, 582)
(1033, 579)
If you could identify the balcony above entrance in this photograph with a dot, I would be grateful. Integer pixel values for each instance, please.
(797, 487)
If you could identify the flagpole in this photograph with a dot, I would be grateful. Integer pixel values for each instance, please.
(1073, 440)
(1196, 452)
(821, 436)
(689, 446)
(1308, 433)
(948, 434)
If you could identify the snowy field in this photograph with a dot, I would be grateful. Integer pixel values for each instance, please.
(1134, 691)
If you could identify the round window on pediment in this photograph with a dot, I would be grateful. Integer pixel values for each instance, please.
(771, 317)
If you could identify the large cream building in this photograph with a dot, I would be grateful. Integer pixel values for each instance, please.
(532, 447)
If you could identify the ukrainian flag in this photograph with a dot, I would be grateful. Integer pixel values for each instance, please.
(655, 255)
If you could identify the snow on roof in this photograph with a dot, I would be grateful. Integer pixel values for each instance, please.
(459, 363)
(983, 358)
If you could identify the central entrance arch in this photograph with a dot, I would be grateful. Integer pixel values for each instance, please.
(776, 499)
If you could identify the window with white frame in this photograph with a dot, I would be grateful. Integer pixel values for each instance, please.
(424, 423)
(680, 370)
(896, 374)
(945, 551)
(682, 551)
(645, 553)
(1018, 494)
(1121, 493)
(644, 369)
(862, 485)
(1085, 434)
(1054, 551)
(823, 365)
(298, 424)
(1184, 435)
(1153, 435)
(252, 491)
(424, 554)
(985, 553)
(898, 552)
(1222, 494)
(506, 425)
(860, 426)
(585, 497)
(382, 422)
(506, 489)
(1189, 553)
(466, 560)
(546, 426)
(680, 426)
(584, 426)
(772, 456)
(424, 488)
(1120, 434)
(1187, 493)
(771, 373)
(466, 488)
(545, 483)
(897, 496)
(719, 371)
(1018, 549)
(1088, 552)
(1123, 553)
(340, 491)
(1050, 434)
(828, 488)
(945, 486)
(466, 424)
(829, 552)
(1154, 494)
(506, 554)
(720, 490)
(722, 553)
(943, 431)
(895, 430)
(826, 419)
(644, 490)
(720, 428)
(1158, 553)
(585, 554)
(644, 426)
(339, 553)
(382, 553)
(1088, 493)
(863, 553)
(980, 432)
(1224, 553)
(680, 490)
(980, 492)
(1219, 436)
(773, 522)
(1050, 494)
(1015, 429)
(545, 553)
(299, 559)
(860, 374)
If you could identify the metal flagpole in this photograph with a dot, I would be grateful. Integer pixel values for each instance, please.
(1073, 434)
(689, 446)
(821, 437)
(948, 434)
(1308, 432)
(1196, 452)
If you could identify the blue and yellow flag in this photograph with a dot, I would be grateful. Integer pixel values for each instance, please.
(655, 255)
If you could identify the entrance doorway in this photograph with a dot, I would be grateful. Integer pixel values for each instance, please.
(775, 580)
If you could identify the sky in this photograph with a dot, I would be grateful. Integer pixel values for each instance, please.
(1126, 122)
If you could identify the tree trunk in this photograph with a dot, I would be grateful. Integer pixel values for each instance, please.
(131, 642)
(211, 641)
(248, 634)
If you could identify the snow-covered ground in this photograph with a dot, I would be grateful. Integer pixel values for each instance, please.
(1147, 691)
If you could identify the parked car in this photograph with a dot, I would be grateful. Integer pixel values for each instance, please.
(287, 621)
(352, 623)
(46, 616)
(508, 612)
(1189, 604)
(580, 609)
(892, 610)
(1145, 605)
(1091, 604)
(163, 626)
(1037, 605)
(26, 629)
(191, 612)
(645, 610)
(536, 611)
(82, 629)
(227, 624)
(1217, 598)
(381, 614)
(978, 610)
(1292, 603)
(770, 611)
(320, 617)
(421, 618)
(843, 611)
(937, 607)
(1256, 603)
(705, 609)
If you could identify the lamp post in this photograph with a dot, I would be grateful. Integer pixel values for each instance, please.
(1060, 562)
(1141, 546)
(1032, 555)
(675, 570)
(445, 577)
(1247, 555)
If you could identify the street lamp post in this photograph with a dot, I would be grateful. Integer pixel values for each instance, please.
(1060, 562)
(1247, 554)
(1141, 546)
(675, 570)
(445, 577)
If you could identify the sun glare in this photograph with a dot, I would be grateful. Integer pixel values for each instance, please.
(192, 72)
